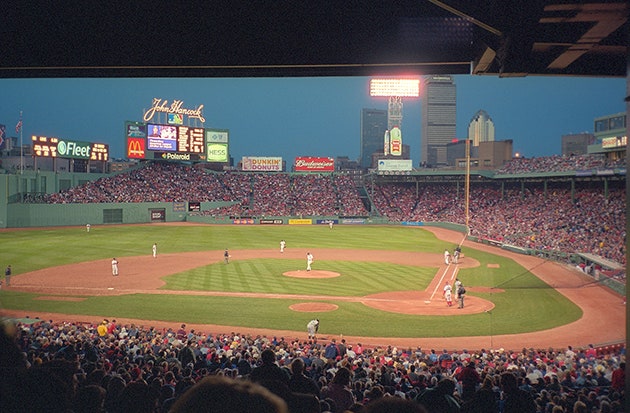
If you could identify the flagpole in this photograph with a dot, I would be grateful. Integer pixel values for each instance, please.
(21, 145)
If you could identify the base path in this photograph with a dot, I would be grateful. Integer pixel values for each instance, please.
(603, 319)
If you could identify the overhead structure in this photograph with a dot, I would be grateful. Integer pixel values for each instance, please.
(240, 38)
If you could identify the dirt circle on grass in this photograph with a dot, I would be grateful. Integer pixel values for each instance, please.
(313, 307)
(311, 274)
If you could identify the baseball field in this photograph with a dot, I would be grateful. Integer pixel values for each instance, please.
(377, 285)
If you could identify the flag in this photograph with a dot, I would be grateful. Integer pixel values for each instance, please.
(18, 127)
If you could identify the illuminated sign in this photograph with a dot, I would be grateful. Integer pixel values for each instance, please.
(190, 139)
(46, 147)
(214, 136)
(395, 141)
(614, 142)
(135, 130)
(314, 164)
(99, 152)
(136, 148)
(175, 119)
(395, 87)
(71, 149)
(395, 165)
(261, 163)
(176, 108)
(161, 138)
(176, 156)
(217, 152)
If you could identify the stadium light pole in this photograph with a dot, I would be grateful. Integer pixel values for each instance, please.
(395, 89)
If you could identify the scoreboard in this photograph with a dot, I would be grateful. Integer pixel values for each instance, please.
(52, 147)
(175, 142)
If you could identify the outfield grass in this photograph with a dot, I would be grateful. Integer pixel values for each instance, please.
(523, 305)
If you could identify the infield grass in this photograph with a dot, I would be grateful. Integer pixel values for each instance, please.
(523, 303)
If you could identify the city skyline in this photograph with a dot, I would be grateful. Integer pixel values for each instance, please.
(291, 117)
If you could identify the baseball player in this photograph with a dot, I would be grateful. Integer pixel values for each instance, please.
(447, 257)
(114, 267)
(226, 256)
(456, 253)
(312, 327)
(448, 294)
(309, 261)
(282, 245)
(154, 249)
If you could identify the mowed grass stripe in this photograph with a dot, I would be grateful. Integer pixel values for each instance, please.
(523, 304)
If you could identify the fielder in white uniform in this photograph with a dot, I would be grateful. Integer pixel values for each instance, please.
(309, 261)
(312, 328)
(282, 245)
(154, 249)
(114, 267)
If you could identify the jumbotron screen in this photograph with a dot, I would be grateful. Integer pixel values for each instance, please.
(170, 138)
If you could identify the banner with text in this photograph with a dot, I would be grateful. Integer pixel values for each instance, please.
(262, 163)
(395, 165)
(314, 164)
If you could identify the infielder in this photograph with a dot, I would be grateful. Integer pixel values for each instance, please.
(114, 267)
(447, 257)
(282, 245)
(154, 249)
(312, 327)
(309, 261)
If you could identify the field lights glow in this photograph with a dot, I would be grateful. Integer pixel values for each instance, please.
(395, 87)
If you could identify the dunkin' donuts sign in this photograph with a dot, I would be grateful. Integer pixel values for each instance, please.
(314, 164)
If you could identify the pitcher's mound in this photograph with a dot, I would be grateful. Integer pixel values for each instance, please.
(313, 307)
(311, 274)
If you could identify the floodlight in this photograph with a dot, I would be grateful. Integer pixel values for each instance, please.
(395, 87)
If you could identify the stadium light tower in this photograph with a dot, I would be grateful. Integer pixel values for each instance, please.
(395, 89)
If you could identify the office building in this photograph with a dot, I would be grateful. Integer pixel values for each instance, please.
(481, 128)
(439, 103)
(373, 127)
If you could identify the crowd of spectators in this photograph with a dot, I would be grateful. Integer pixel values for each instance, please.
(559, 163)
(548, 218)
(85, 367)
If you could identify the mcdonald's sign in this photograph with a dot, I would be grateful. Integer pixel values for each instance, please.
(136, 148)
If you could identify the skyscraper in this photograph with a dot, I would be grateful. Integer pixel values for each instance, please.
(373, 127)
(439, 104)
(481, 128)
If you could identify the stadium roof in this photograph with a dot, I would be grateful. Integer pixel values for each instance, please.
(239, 38)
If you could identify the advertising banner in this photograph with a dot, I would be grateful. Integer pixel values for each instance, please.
(395, 165)
(270, 222)
(243, 221)
(261, 163)
(300, 221)
(314, 164)
(136, 148)
(395, 141)
(216, 136)
(217, 152)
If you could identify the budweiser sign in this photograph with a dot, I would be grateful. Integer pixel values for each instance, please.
(314, 164)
